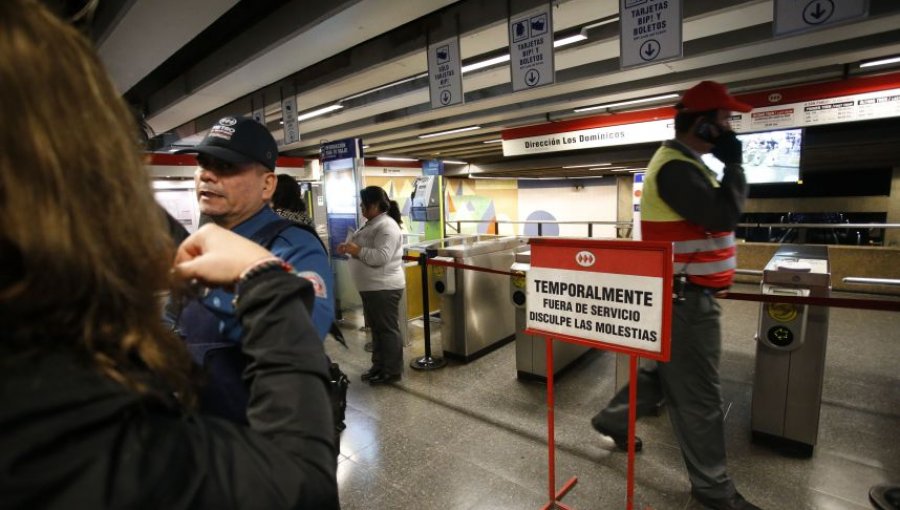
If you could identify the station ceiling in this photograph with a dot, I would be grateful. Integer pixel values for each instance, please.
(186, 64)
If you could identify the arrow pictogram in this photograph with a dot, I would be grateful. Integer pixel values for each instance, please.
(818, 11)
(532, 77)
(649, 50)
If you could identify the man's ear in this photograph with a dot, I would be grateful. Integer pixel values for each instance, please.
(269, 183)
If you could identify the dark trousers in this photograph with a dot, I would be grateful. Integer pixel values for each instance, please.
(690, 384)
(382, 308)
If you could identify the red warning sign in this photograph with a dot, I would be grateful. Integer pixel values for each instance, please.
(612, 295)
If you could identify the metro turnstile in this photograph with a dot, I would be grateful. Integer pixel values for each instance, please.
(531, 351)
(790, 350)
(476, 314)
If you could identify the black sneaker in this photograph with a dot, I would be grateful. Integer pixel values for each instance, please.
(621, 440)
(733, 502)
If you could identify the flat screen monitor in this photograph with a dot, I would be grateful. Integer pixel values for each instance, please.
(769, 156)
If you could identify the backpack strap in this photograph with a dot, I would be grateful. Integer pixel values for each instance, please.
(266, 235)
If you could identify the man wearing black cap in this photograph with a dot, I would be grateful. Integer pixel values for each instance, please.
(235, 180)
(683, 203)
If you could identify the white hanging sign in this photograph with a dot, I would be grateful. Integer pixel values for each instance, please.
(651, 31)
(289, 117)
(531, 48)
(259, 116)
(445, 73)
(797, 16)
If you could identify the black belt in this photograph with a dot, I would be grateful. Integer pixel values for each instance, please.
(702, 288)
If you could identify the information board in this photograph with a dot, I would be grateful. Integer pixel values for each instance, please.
(651, 32)
(531, 48)
(614, 295)
(445, 73)
(341, 149)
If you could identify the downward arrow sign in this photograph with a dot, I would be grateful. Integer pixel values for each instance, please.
(819, 12)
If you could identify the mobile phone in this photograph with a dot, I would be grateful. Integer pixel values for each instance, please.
(704, 130)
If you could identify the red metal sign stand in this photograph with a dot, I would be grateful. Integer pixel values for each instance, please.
(554, 495)
(643, 259)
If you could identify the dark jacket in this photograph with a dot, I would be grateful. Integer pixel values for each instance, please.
(71, 438)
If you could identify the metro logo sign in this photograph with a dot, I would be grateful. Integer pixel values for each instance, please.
(585, 258)
(612, 295)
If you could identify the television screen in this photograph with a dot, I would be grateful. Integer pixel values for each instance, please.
(769, 156)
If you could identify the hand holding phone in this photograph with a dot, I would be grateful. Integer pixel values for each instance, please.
(728, 149)
(706, 130)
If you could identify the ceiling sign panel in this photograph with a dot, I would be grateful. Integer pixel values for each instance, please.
(444, 73)
(531, 48)
(798, 16)
(651, 31)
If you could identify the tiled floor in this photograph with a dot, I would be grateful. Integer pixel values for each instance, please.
(472, 436)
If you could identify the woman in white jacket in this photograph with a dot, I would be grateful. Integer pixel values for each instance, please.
(376, 265)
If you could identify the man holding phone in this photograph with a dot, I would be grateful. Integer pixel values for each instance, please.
(682, 202)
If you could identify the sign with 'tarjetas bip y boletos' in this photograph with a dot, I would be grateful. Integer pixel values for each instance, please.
(613, 295)
(531, 48)
(651, 31)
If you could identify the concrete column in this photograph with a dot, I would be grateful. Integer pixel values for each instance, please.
(624, 211)
(892, 235)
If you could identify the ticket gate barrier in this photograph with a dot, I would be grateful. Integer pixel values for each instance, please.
(790, 350)
(531, 350)
(476, 315)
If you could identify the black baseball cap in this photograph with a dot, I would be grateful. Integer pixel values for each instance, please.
(238, 140)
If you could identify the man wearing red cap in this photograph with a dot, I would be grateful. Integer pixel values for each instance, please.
(683, 203)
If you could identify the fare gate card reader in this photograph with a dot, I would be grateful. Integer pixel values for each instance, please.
(443, 277)
(790, 350)
(425, 204)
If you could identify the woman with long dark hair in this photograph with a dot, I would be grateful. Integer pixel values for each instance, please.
(97, 395)
(376, 265)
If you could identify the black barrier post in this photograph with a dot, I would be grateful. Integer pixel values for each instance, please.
(590, 230)
(426, 362)
(540, 229)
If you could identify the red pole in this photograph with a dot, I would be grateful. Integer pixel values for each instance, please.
(550, 432)
(632, 417)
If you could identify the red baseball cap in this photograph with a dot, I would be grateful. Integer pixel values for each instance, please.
(710, 95)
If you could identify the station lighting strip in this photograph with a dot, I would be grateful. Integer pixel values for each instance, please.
(565, 41)
(450, 132)
(626, 103)
(391, 158)
(881, 62)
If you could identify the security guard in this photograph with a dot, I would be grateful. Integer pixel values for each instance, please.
(682, 202)
(235, 180)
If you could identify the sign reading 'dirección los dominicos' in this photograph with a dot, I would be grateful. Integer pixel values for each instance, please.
(624, 134)
(651, 31)
(614, 294)
(445, 73)
(531, 48)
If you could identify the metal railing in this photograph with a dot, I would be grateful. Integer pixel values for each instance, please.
(624, 227)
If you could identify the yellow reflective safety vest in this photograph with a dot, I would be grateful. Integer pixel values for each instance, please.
(707, 258)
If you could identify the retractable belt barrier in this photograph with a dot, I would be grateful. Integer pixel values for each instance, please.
(555, 495)
(863, 304)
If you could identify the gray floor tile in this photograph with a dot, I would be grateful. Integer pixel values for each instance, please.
(472, 436)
